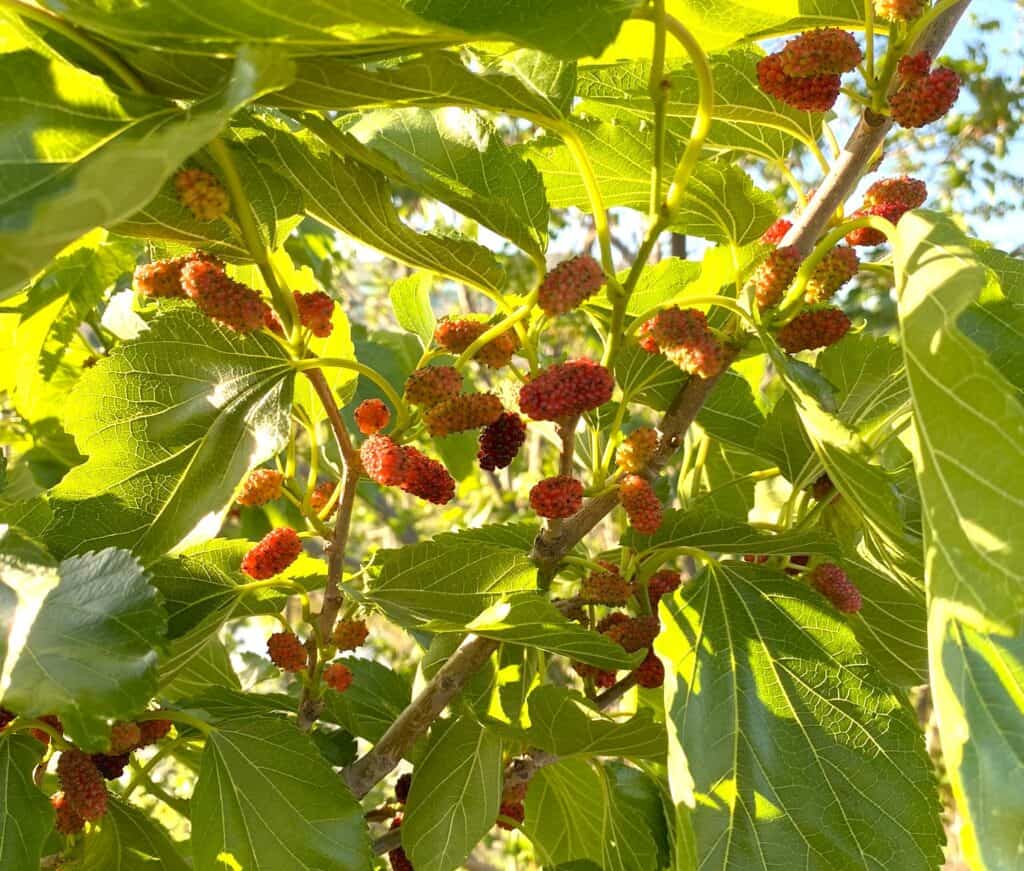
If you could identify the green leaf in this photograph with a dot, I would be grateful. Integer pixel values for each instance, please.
(868, 375)
(410, 299)
(126, 839)
(730, 413)
(771, 700)
(370, 705)
(26, 817)
(171, 422)
(454, 797)
(782, 438)
(266, 798)
(208, 668)
(969, 425)
(58, 186)
(80, 637)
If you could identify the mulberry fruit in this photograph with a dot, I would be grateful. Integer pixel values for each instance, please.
(338, 677)
(161, 279)
(315, 310)
(684, 337)
(202, 194)
(642, 506)
(372, 416)
(277, 550)
(900, 10)
(661, 583)
(457, 334)
(124, 737)
(832, 582)
(869, 236)
(287, 651)
(837, 268)
(816, 327)
(427, 479)
(427, 387)
(636, 633)
(650, 674)
(602, 679)
(822, 487)
(811, 94)
(912, 67)
(636, 450)
(921, 101)
(272, 322)
(645, 339)
(500, 441)
(776, 232)
(795, 562)
(775, 274)
(822, 51)
(402, 787)
(566, 390)
(153, 731)
(222, 298)
(383, 460)
(511, 810)
(399, 861)
(606, 588)
(321, 496)
(462, 413)
(902, 190)
(260, 487)
(111, 766)
(349, 634)
(569, 283)
(615, 618)
(6, 717)
(702, 357)
(560, 496)
(68, 822)
(83, 785)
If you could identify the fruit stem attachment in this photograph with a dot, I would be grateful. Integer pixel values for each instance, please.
(401, 410)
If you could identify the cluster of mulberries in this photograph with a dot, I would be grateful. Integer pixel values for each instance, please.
(457, 334)
(774, 275)
(222, 298)
(661, 584)
(287, 651)
(82, 784)
(557, 497)
(888, 198)
(372, 416)
(816, 327)
(434, 384)
(566, 390)
(462, 413)
(569, 284)
(349, 634)
(805, 74)
(202, 194)
(338, 677)
(500, 441)
(777, 232)
(110, 765)
(641, 503)
(277, 550)
(634, 633)
(683, 335)
(837, 268)
(606, 588)
(925, 95)
(833, 583)
(636, 450)
(153, 731)
(900, 10)
(321, 497)
(315, 310)
(260, 487)
(161, 279)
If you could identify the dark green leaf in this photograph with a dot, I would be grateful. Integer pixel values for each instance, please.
(26, 817)
(373, 701)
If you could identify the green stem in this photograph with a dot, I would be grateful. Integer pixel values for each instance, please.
(661, 556)
(869, 43)
(658, 89)
(609, 450)
(56, 738)
(401, 410)
(490, 334)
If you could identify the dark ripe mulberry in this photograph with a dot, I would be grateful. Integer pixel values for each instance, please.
(811, 94)
(277, 550)
(777, 232)
(383, 460)
(338, 677)
(900, 10)
(869, 236)
(511, 810)
(426, 478)
(795, 562)
(816, 327)
(462, 413)
(602, 679)
(837, 268)
(775, 274)
(434, 384)
(822, 487)
(457, 334)
(569, 284)
(650, 674)
(641, 503)
(321, 497)
(826, 50)
(287, 651)
(566, 390)
(556, 497)
(202, 194)
(636, 633)
(920, 102)
(222, 298)
(161, 279)
(67, 822)
(614, 618)
(260, 487)
(6, 717)
(606, 588)
(661, 583)
(349, 634)
(636, 450)
(111, 766)
(833, 583)
(124, 737)
(83, 784)
(500, 441)
(153, 731)
(402, 787)
(315, 310)
(903, 190)
(372, 416)
(399, 861)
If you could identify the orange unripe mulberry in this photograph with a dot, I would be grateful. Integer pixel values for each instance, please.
(277, 550)
(372, 416)
(776, 232)
(559, 496)
(816, 327)
(820, 51)
(566, 390)
(431, 385)
(919, 102)
(426, 478)
(457, 334)
(636, 449)
(287, 651)
(349, 634)
(812, 94)
(462, 413)
(775, 274)
(202, 194)
(900, 10)
(261, 486)
(641, 503)
(569, 284)
(383, 460)
(837, 268)
(82, 783)
(315, 310)
(68, 822)
(222, 298)
(833, 583)
(161, 279)
(338, 677)
(124, 737)
(606, 588)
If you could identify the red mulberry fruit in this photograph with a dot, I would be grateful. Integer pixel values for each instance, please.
(811, 94)
(315, 310)
(912, 67)
(399, 861)
(500, 441)
(68, 821)
(260, 487)
(684, 337)
(636, 633)
(900, 10)
(287, 651)
(832, 582)
(650, 674)
(277, 550)
(775, 274)
(661, 583)
(202, 194)
(921, 101)
(606, 588)
(569, 284)
(321, 496)
(372, 416)
(462, 413)
(6, 717)
(338, 677)
(776, 232)
(221, 298)
(110, 765)
(161, 279)
(349, 634)
(822, 51)
(566, 390)
(427, 479)
(383, 460)
(902, 190)
(795, 561)
(560, 496)
(124, 737)
(402, 787)
(636, 450)
(614, 618)
(83, 784)
(816, 327)
(838, 267)
(869, 236)
(602, 679)
(427, 387)
(153, 731)
(641, 504)
(513, 810)
(457, 334)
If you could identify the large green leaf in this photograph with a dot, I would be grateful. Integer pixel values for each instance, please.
(769, 701)
(266, 798)
(454, 797)
(79, 155)
(80, 637)
(868, 375)
(970, 467)
(410, 300)
(26, 817)
(126, 839)
(171, 422)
